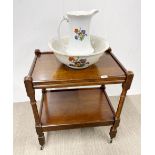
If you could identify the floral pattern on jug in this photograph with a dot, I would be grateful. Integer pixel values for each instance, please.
(80, 34)
(77, 61)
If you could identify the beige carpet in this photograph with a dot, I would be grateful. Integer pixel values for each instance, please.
(85, 141)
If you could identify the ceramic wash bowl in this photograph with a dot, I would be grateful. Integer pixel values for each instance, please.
(75, 61)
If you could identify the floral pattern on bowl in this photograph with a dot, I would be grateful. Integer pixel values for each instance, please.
(80, 34)
(58, 46)
(77, 61)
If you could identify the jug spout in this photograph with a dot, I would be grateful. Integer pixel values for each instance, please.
(93, 12)
(82, 13)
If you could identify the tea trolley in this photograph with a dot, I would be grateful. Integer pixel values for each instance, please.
(63, 108)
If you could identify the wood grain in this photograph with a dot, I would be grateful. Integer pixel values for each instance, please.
(75, 108)
(48, 70)
(63, 109)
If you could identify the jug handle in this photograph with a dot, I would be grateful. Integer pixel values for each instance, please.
(65, 18)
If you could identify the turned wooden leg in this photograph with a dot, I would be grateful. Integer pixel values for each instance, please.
(113, 130)
(31, 95)
(126, 85)
(41, 137)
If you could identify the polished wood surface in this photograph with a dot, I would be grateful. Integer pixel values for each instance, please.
(76, 108)
(63, 109)
(48, 69)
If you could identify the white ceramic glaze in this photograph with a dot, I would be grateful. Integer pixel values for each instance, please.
(79, 37)
(74, 60)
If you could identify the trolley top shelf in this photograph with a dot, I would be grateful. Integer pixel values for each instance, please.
(47, 72)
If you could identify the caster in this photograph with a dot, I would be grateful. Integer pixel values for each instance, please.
(110, 140)
(42, 147)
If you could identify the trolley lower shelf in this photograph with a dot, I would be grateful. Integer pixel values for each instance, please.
(75, 108)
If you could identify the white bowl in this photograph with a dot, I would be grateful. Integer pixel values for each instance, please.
(76, 61)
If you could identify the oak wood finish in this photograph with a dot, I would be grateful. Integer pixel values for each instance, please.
(63, 109)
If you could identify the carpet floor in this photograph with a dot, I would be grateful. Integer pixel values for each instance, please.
(82, 141)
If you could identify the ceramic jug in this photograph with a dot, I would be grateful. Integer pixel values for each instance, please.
(79, 37)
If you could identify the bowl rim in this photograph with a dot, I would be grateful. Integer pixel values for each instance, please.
(107, 46)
